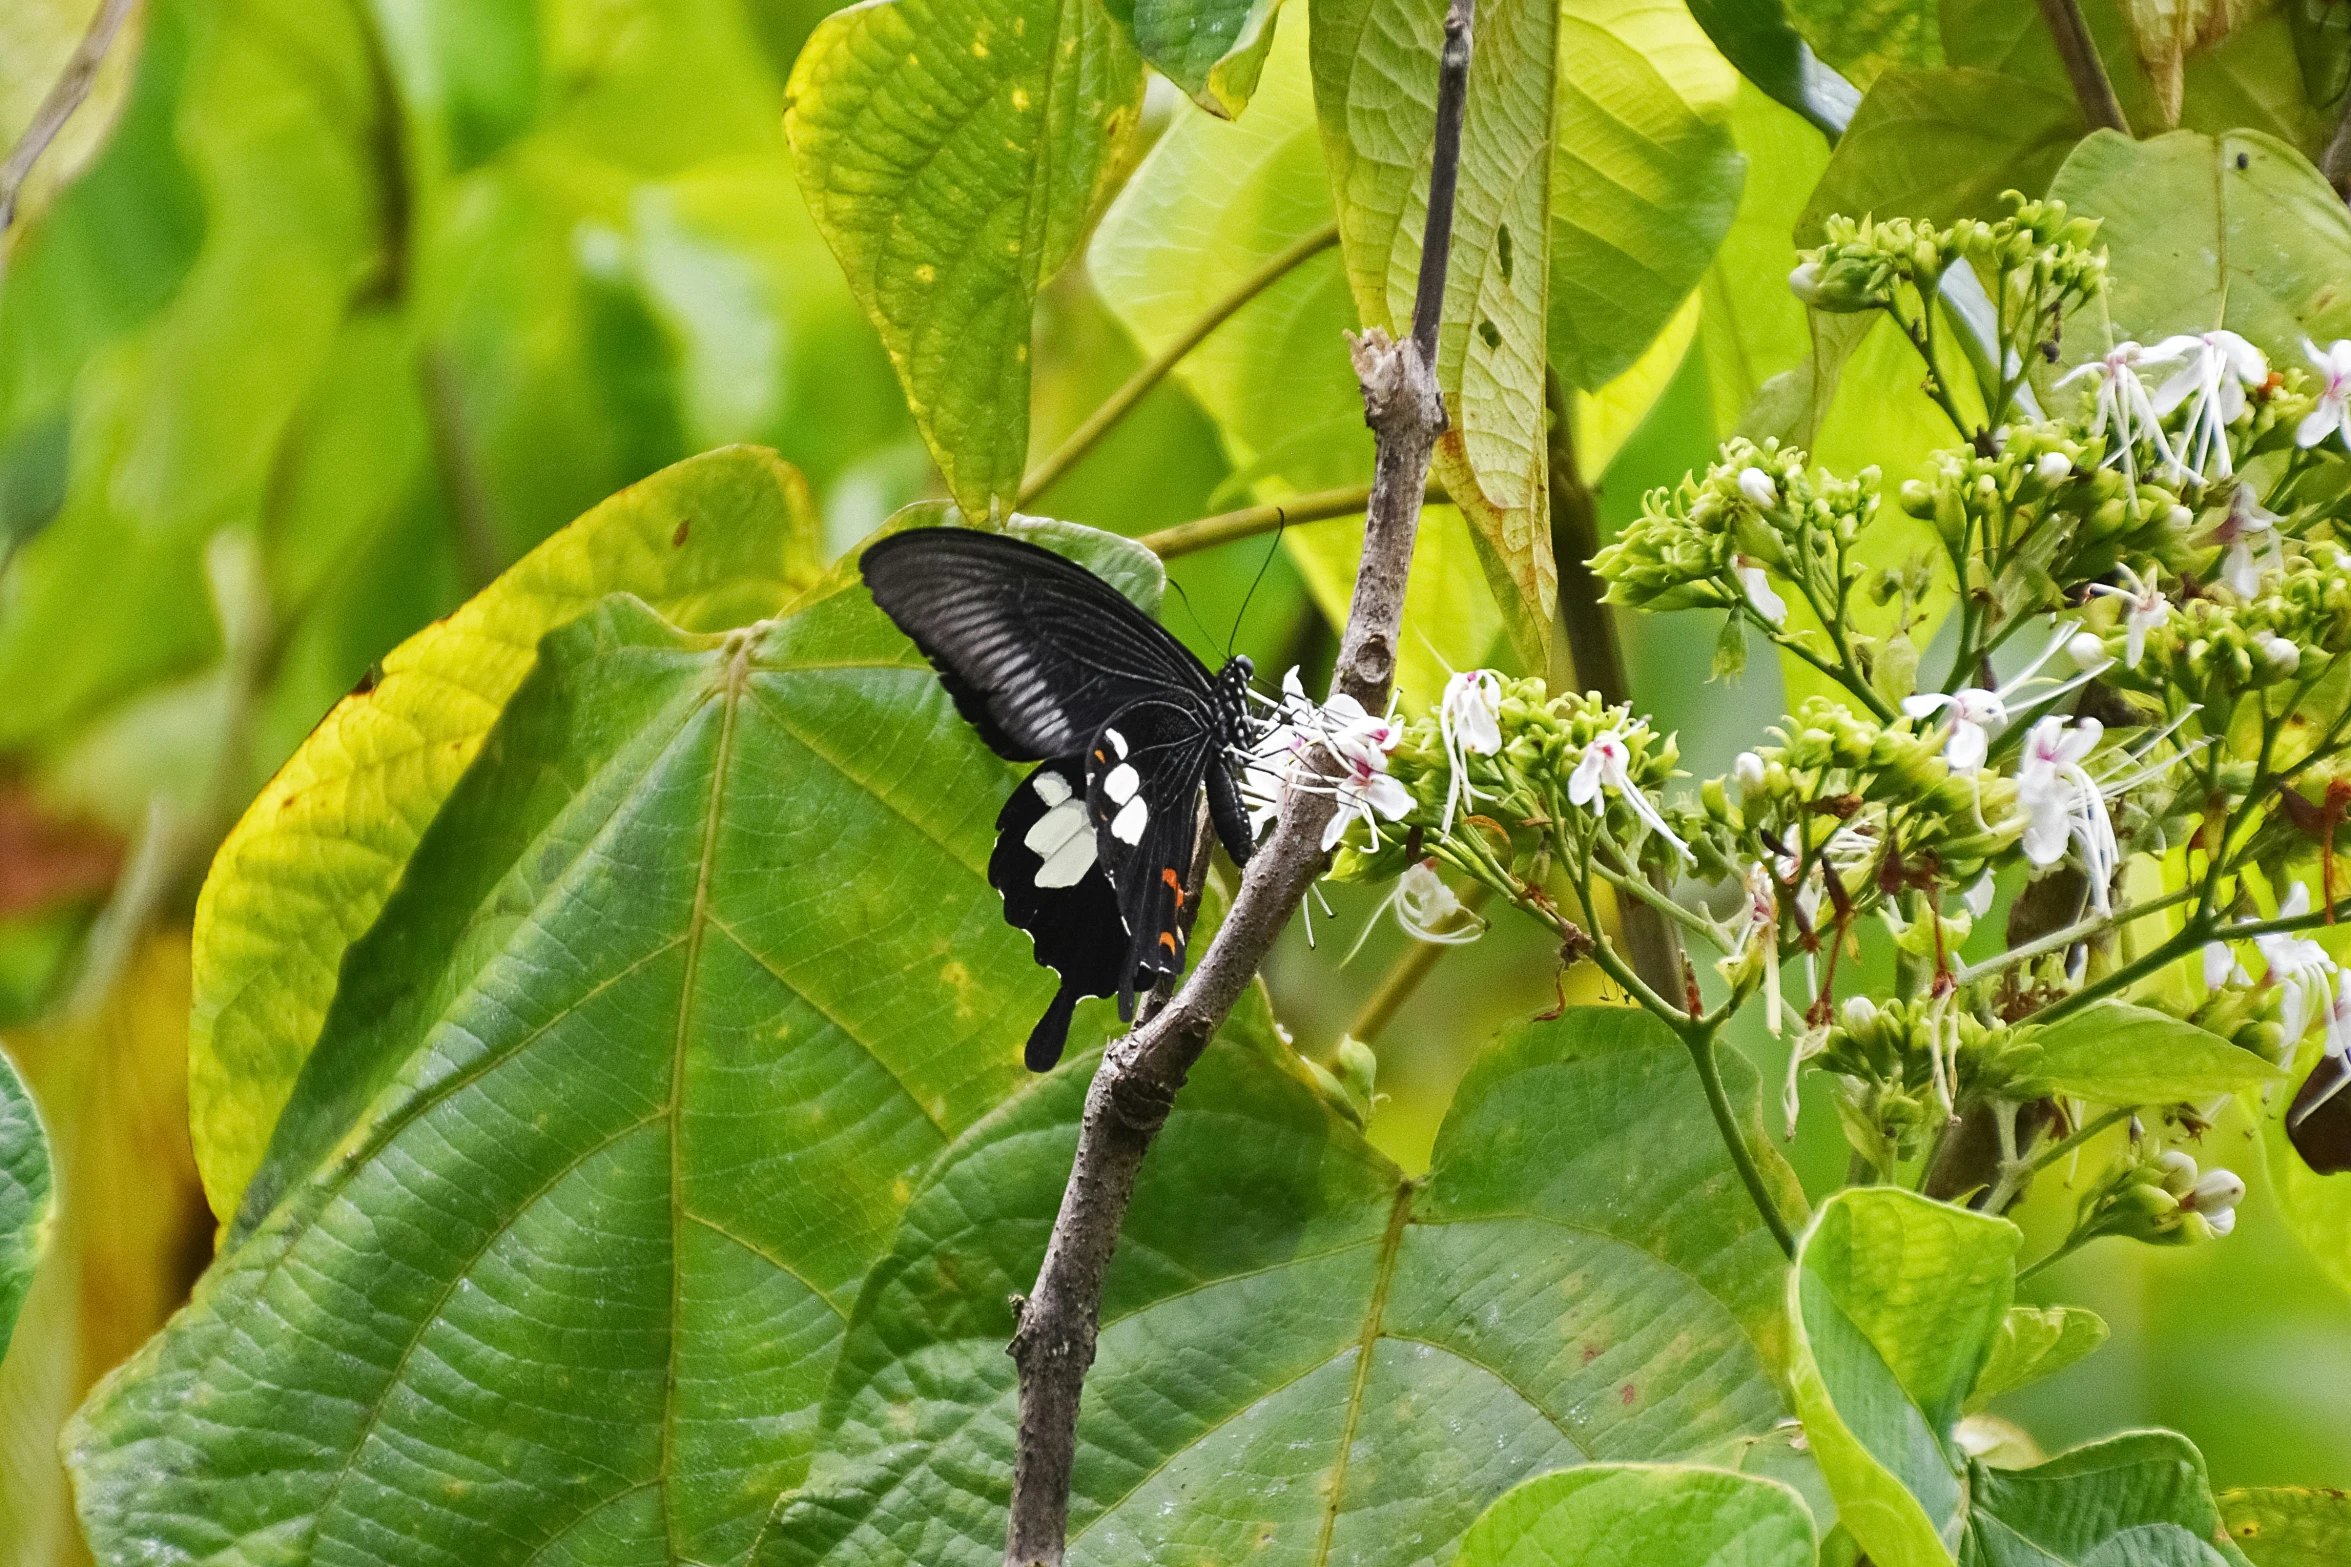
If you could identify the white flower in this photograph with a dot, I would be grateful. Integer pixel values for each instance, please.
(2123, 404)
(2282, 656)
(2300, 968)
(1757, 582)
(2246, 521)
(2216, 1195)
(1756, 485)
(2050, 467)
(1978, 897)
(1358, 741)
(1757, 941)
(2222, 968)
(2219, 366)
(1366, 791)
(2147, 610)
(2087, 652)
(1606, 762)
(2063, 803)
(1747, 769)
(1974, 713)
(2333, 412)
(1469, 721)
(1426, 909)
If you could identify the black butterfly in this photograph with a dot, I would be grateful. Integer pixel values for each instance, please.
(1051, 664)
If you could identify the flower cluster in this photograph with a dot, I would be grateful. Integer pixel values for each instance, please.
(1506, 780)
(1291, 751)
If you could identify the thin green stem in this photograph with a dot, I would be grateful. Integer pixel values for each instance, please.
(2015, 1172)
(2184, 941)
(1122, 402)
(1703, 1055)
(1401, 981)
(1639, 887)
(1206, 533)
(2060, 939)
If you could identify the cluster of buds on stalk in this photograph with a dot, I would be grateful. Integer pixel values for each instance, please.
(2162, 1198)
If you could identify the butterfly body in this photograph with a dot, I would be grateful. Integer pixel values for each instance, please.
(1052, 665)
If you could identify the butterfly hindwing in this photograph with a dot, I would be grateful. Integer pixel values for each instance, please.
(1045, 864)
(1143, 778)
(1037, 651)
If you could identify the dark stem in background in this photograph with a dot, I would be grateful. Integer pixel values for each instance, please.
(461, 479)
(1135, 1086)
(65, 95)
(2335, 162)
(2087, 72)
(1597, 658)
(1137, 386)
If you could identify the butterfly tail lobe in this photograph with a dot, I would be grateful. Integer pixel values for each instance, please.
(1051, 1035)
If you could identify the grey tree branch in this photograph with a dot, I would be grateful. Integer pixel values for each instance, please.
(1136, 1085)
(65, 95)
(2079, 51)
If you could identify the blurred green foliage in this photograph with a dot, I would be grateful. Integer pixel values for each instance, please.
(326, 311)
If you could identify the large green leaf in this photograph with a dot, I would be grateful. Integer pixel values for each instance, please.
(1902, 1318)
(1896, 1301)
(2279, 1526)
(2236, 231)
(1305, 1357)
(692, 974)
(712, 543)
(2140, 1500)
(1210, 207)
(954, 152)
(2035, 1342)
(2013, 38)
(1597, 177)
(1628, 1515)
(1864, 39)
(1758, 38)
(24, 1196)
(1943, 144)
(2118, 1054)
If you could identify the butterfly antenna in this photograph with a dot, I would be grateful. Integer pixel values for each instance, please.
(1197, 624)
(1281, 521)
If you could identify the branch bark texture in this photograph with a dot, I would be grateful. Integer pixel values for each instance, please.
(65, 95)
(1136, 1085)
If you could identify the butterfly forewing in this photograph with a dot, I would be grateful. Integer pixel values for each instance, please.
(1037, 651)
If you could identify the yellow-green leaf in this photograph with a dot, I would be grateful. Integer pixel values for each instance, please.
(1597, 177)
(953, 152)
(2035, 1342)
(715, 542)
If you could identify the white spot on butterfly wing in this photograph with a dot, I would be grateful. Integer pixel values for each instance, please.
(1127, 826)
(1051, 788)
(1118, 742)
(1064, 840)
(1121, 783)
